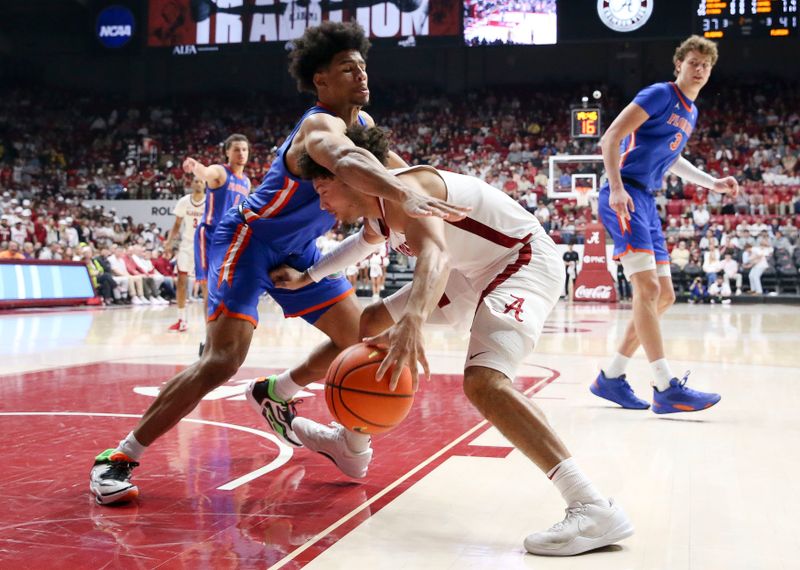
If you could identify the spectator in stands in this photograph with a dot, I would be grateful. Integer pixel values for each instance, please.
(28, 251)
(542, 213)
(120, 284)
(674, 188)
(712, 264)
(102, 282)
(10, 250)
(162, 264)
(701, 218)
(680, 255)
(706, 241)
(570, 258)
(730, 269)
(137, 264)
(134, 282)
(687, 229)
(756, 261)
(54, 251)
(781, 242)
(672, 231)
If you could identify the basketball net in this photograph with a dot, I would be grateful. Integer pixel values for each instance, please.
(582, 198)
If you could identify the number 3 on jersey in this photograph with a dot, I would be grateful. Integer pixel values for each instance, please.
(673, 146)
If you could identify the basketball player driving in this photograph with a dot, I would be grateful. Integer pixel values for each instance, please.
(497, 266)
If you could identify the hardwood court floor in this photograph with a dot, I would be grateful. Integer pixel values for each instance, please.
(712, 490)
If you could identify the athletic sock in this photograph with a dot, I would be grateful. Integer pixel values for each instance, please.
(182, 314)
(131, 447)
(661, 373)
(285, 388)
(356, 442)
(574, 485)
(617, 367)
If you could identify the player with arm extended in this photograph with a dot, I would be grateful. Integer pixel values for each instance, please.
(277, 224)
(497, 265)
(642, 144)
(188, 216)
(226, 186)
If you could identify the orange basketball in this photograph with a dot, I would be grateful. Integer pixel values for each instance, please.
(360, 403)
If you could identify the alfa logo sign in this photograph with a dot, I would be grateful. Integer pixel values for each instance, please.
(115, 26)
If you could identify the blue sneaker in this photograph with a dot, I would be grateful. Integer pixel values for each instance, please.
(679, 398)
(617, 390)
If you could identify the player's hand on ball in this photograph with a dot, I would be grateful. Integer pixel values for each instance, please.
(404, 343)
(189, 164)
(622, 203)
(285, 277)
(418, 205)
(727, 185)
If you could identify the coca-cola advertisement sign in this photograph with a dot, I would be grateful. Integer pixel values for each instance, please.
(601, 292)
(594, 282)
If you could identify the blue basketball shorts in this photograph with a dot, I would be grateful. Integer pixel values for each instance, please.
(239, 266)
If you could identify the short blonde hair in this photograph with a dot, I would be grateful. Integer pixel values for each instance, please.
(700, 45)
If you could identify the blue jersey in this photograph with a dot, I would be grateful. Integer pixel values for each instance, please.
(220, 200)
(284, 210)
(651, 149)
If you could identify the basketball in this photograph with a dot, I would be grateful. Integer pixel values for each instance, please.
(360, 403)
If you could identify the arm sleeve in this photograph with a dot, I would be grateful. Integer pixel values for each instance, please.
(654, 99)
(690, 173)
(351, 250)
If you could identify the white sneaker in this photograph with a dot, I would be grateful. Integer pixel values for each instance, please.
(160, 301)
(585, 527)
(136, 300)
(329, 441)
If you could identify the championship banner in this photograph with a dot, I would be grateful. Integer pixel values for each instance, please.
(191, 23)
(594, 282)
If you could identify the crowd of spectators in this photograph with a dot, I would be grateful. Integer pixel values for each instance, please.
(57, 149)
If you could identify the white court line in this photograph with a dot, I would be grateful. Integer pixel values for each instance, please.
(284, 451)
(316, 538)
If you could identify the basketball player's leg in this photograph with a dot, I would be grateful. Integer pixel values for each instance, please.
(507, 325)
(238, 278)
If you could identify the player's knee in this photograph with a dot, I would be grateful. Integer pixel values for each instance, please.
(372, 320)
(666, 298)
(218, 365)
(647, 287)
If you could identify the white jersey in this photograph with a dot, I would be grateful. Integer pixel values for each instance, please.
(496, 228)
(192, 214)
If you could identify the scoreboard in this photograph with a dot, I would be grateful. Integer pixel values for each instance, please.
(746, 18)
(586, 123)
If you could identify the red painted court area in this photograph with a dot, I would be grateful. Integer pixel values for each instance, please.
(217, 491)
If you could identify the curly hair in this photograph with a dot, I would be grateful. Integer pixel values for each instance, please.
(316, 48)
(700, 45)
(373, 139)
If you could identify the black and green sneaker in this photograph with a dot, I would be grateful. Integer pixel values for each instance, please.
(278, 413)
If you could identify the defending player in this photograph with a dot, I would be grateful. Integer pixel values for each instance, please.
(278, 224)
(498, 266)
(188, 215)
(226, 186)
(641, 145)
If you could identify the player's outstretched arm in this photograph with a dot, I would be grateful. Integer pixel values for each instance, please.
(404, 339)
(326, 143)
(348, 252)
(214, 176)
(630, 119)
(690, 173)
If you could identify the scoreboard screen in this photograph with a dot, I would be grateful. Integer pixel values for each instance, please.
(746, 18)
(586, 123)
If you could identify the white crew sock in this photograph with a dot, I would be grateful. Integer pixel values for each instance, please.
(574, 485)
(285, 388)
(661, 373)
(356, 442)
(182, 314)
(131, 447)
(617, 367)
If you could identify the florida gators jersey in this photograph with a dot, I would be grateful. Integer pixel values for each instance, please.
(284, 211)
(220, 200)
(649, 151)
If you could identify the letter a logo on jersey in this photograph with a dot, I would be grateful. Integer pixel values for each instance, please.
(516, 306)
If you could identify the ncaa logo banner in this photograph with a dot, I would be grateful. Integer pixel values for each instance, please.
(115, 26)
(174, 23)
